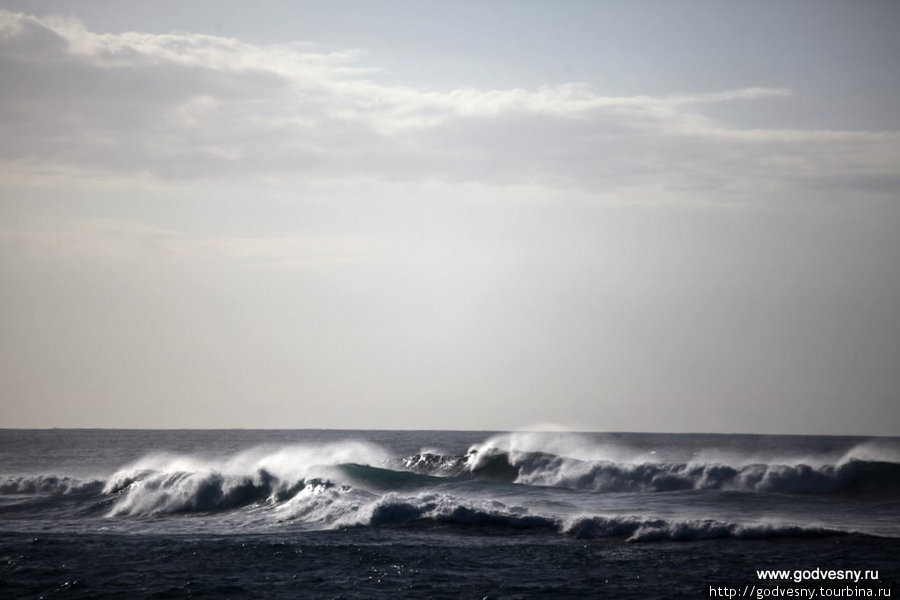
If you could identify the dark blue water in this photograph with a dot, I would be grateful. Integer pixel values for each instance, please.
(348, 514)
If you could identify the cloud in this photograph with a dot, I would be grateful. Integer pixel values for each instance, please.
(128, 242)
(185, 106)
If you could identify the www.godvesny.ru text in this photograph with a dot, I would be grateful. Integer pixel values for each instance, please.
(801, 575)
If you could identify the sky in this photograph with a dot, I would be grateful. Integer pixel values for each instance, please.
(611, 216)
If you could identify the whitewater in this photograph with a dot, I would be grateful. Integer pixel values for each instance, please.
(436, 500)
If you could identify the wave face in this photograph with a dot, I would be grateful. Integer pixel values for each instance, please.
(510, 484)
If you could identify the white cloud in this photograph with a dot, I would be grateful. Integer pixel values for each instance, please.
(185, 106)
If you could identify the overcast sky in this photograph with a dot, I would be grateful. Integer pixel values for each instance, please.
(633, 216)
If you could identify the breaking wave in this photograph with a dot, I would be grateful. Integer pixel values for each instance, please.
(152, 493)
(164, 483)
(495, 487)
(500, 460)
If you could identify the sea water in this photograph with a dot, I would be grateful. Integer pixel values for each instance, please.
(444, 514)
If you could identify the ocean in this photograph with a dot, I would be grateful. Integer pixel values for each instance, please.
(445, 514)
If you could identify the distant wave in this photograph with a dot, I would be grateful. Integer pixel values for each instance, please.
(543, 469)
(48, 485)
(852, 475)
